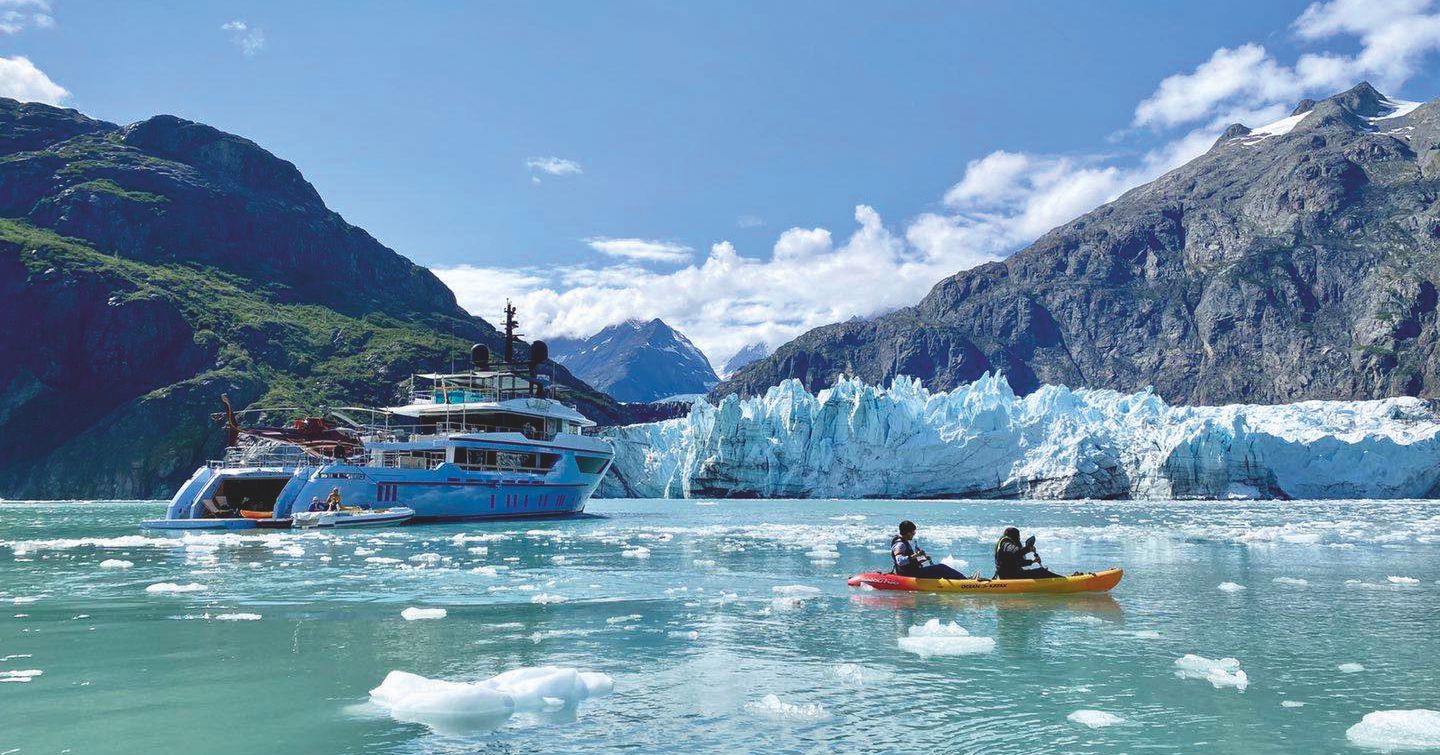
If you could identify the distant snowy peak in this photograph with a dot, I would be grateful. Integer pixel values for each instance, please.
(1364, 103)
(638, 361)
(744, 356)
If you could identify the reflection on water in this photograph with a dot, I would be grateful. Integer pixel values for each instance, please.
(678, 602)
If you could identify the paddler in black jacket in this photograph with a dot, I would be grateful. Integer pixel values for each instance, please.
(1011, 558)
(911, 561)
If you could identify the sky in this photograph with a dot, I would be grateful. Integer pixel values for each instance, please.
(743, 170)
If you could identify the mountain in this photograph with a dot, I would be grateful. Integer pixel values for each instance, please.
(147, 269)
(1294, 261)
(637, 361)
(744, 356)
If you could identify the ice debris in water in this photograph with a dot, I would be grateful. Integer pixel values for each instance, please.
(1403, 580)
(636, 552)
(1095, 719)
(379, 560)
(790, 596)
(850, 673)
(1086, 618)
(237, 617)
(1291, 704)
(624, 619)
(934, 638)
(170, 587)
(1220, 673)
(416, 614)
(772, 706)
(1397, 730)
(545, 598)
(1350, 668)
(460, 706)
(1291, 581)
(20, 675)
(116, 563)
(1230, 587)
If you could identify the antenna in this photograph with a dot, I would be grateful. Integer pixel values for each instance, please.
(511, 335)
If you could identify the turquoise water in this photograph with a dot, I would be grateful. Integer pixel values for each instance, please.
(126, 670)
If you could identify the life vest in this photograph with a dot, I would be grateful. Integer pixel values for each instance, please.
(908, 569)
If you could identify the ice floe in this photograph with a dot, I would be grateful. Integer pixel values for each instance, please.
(1291, 704)
(1291, 581)
(771, 706)
(453, 707)
(1350, 668)
(116, 563)
(1402, 580)
(418, 614)
(936, 639)
(1397, 730)
(545, 598)
(1224, 672)
(237, 617)
(1095, 719)
(172, 587)
(636, 552)
(1230, 587)
(20, 675)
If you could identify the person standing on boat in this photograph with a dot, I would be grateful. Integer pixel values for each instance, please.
(1012, 558)
(911, 561)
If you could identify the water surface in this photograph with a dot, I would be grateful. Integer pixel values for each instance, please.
(676, 600)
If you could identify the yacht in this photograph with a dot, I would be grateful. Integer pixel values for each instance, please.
(490, 442)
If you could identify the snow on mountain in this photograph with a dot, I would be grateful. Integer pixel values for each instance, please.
(637, 361)
(981, 440)
(744, 356)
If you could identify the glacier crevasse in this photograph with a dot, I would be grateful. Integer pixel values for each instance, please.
(981, 440)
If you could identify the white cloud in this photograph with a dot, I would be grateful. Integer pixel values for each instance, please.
(1002, 201)
(24, 13)
(21, 80)
(1394, 37)
(555, 166)
(250, 39)
(749, 221)
(641, 249)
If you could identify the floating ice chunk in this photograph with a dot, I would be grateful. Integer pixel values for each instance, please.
(1140, 634)
(171, 587)
(1402, 580)
(479, 550)
(416, 614)
(1230, 587)
(1095, 719)
(488, 571)
(363, 551)
(850, 673)
(381, 560)
(559, 559)
(639, 551)
(934, 638)
(771, 706)
(545, 598)
(849, 518)
(116, 563)
(703, 563)
(681, 635)
(1291, 704)
(24, 599)
(1291, 581)
(459, 706)
(958, 564)
(1350, 668)
(237, 617)
(1220, 673)
(425, 558)
(624, 619)
(1397, 730)
(1086, 618)
(20, 675)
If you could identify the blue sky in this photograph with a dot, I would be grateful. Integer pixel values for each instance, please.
(843, 157)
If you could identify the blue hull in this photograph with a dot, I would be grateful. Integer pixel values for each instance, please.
(199, 524)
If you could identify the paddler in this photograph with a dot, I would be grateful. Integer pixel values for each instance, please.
(912, 561)
(1011, 558)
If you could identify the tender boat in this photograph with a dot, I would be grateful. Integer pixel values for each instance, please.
(490, 442)
(352, 518)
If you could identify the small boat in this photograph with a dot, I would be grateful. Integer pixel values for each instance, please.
(1100, 581)
(352, 518)
(227, 523)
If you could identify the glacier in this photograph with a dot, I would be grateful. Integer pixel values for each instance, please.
(980, 440)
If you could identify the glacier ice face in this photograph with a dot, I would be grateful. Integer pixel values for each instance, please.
(981, 440)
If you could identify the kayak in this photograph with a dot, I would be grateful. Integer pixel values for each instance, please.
(362, 518)
(1090, 582)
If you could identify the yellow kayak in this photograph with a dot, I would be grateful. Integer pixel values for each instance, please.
(1089, 582)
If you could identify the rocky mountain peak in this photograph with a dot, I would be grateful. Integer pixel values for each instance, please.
(220, 155)
(637, 360)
